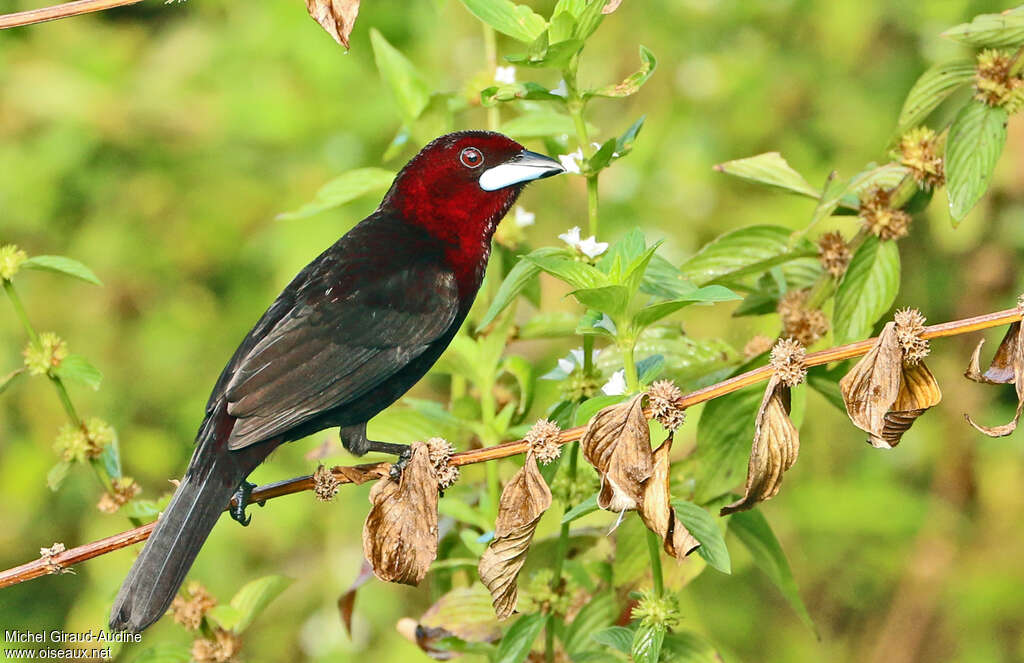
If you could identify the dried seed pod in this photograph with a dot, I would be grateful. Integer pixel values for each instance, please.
(337, 17)
(543, 439)
(617, 442)
(885, 394)
(1007, 366)
(775, 448)
(400, 533)
(656, 509)
(523, 501)
(663, 397)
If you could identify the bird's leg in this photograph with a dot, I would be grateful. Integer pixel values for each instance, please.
(241, 500)
(354, 439)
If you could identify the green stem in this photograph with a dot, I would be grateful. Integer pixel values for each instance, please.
(20, 311)
(654, 549)
(592, 204)
(629, 364)
(588, 354)
(65, 400)
(563, 544)
(762, 266)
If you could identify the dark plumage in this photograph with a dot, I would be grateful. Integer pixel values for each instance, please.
(351, 333)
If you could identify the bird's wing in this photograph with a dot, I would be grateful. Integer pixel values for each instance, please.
(355, 323)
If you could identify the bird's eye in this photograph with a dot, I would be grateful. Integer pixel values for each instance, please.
(471, 157)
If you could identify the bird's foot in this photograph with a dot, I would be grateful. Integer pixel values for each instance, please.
(399, 465)
(241, 500)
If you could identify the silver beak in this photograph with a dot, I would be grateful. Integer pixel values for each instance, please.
(524, 167)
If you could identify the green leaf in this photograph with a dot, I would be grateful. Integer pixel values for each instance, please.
(165, 653)
(517, 279)
(522, 371)
(537, 124)
(651, 314)
(618, 638)
(633, 82)
(110, 459)
(973, 147)
(577, 274)
(685, 647)
(7, 380)
(665, 280)
(518, 640)
(141, 509)
(867, 291)
(463, 512)
(990, 30)
(754, 532)
(516, 21)
(407, 85)
(78, 369)
(342, 189)
(931, 89)
(591, 406)
(554, 324)
(610, 299)
(254, 596)
(647, 641)
(584, 508)
(724, 434)
(826, 383)
(624, 143)
(62, 265)
(747, 252)
(631, 562)
(514, 91)
(771, 169)
(704, 528)
(225, 616)
(562, 26)
(589, 18)
(55, 477)
(541, 54)
(599, 612)
(687, 360)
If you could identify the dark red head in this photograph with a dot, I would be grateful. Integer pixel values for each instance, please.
(461, 185)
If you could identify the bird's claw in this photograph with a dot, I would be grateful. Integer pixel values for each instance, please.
(241, 500)
(399, 465)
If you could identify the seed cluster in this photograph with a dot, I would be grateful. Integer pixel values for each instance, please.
(909, 325)
(122, 491)
(787, 359)
(440, 453)
(879, 218)
(919, 153)
(325, 484)
(543, 439)
(994, 83)
(805, 325)
(188, 610)
(833, 253)
(663, 396)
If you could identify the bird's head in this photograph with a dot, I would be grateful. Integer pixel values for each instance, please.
(461, 185)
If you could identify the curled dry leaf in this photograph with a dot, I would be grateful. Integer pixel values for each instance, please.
(656, 509)
(775, 448)
(347, 601)
(884, 394)
(1007, 366)
(337, 17)
(523, 501)
(617, 443)
(400, 533)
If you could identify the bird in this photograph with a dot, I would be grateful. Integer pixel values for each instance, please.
(346, 338)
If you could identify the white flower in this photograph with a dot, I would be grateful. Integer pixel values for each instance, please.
(616, 385)
(577, 355)
(571, 161)
(524, 218)
(589, 247)
(505, 75)
(567, 365)
(561, 90)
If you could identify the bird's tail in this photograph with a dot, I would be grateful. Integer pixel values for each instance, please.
(154, 579)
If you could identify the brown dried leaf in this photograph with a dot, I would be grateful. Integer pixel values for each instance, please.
(337, 17)
(347, 601)
(400, 533)
(884, 395)
(617, 443)
(1007, 366)
(775, 448)
(656, 510)
(523, 501)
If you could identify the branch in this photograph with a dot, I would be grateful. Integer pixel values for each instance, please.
(362, 473)
(59, 11)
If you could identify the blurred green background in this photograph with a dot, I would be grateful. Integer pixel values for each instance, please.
(157, 143)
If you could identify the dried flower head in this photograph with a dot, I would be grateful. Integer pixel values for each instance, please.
(919, 153)
(440, 452)
(543, 439)
(879, 218)
(188, 608)
(663, 396)
(123, 490)
(223, 647)
(48, 554)
(325, 484)
(45, 356)
(757, 345)
(787, 361)
(994, 84)
(805, 325)
(909, 326)
(833, 253)
(11, 258)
